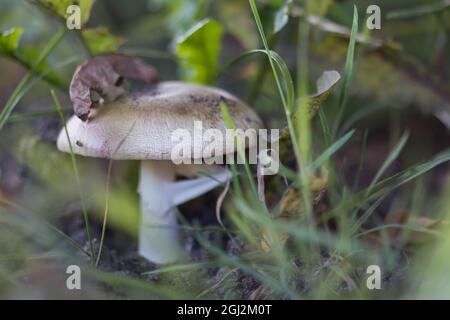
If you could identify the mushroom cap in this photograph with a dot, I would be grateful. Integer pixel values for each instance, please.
(140, 125)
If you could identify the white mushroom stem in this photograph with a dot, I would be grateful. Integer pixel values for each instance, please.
(160, 194)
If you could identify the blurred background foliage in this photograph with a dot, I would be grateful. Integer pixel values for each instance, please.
(400, 83)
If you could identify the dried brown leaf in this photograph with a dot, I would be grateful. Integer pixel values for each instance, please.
(104, 74)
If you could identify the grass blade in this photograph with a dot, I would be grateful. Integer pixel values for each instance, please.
(389, 184)
(288, 100)
(390, 159)
(241, 152)
(77, 177)
(15, 97)
(326, 155)
(348, 71)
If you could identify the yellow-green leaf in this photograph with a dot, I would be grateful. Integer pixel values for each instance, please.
(60, 7)
(9, 40)
(198, 51)
(100, 40)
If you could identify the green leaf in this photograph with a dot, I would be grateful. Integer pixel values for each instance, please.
(59, 7)
(100, 40)
(9, 40)
(198, 51)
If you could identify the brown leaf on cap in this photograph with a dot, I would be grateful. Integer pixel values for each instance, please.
(104, 74)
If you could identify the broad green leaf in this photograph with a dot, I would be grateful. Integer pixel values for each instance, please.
(59, 7)
(198, 51)
(100, 40)
(9, 40)
(182, 14)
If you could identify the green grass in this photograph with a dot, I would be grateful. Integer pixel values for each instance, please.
(19, 90)
(348, 72)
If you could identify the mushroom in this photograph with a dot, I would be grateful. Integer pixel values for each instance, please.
(139, 125)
